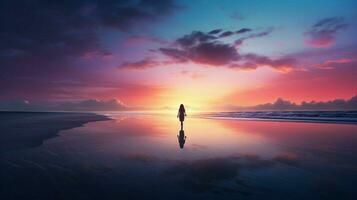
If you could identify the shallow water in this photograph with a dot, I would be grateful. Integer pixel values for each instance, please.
(140, 156)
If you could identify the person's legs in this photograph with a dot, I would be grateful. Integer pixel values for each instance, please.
(181, 125)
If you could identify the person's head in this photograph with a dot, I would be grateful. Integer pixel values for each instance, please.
(182, 107)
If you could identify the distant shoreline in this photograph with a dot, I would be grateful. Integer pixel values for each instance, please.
(283, 120)
(332, 117)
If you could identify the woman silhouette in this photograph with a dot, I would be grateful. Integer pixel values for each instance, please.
(181, 114)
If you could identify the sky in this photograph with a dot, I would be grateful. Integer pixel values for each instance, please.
(155, 55)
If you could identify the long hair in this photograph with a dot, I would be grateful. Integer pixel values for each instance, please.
(182, 108)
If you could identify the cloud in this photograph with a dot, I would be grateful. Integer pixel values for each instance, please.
(253, 35)
(123, 14)
(281, 105)
(334, 80)
(194, 38)
(42, 40)
(329, 64)
(139, 65)
(88, 87)
(323, 33)
(337, 104)
(215, 31)
(69, 28)
(176, 55)
(210, 53)
(208, 49)
(226, 34)
(243, 30)
(214, 54)
(197, 37)
(281, 64)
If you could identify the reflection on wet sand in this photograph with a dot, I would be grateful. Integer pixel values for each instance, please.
(181, 138)
(224, 159)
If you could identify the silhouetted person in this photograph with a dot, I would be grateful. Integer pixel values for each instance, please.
(181, 138)
(181, 114)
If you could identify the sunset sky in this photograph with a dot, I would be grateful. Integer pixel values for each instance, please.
(208, 55)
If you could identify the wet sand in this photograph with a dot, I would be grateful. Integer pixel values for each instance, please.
(145, 156)
(21, 130)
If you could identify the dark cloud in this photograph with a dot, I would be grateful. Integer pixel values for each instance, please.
(281, 104)
(197, 37)
(68, 28)
(279, 64)
(176, 55)
(210, 53)
(215, 31)
(243, 30)
(123, 14)
(253, 35)
(208, 49)
(226, 34)
(194, 38)
(323, 33)
(201, 48)
(141, 64)
(42, 39)
(213, 54)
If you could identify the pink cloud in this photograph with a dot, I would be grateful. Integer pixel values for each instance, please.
(329, 64)
(303, 85)
(323, 33)
(320, 42)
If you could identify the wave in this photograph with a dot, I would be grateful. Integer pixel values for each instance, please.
(306, 116)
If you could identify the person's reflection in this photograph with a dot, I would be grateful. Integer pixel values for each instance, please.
(181, 138)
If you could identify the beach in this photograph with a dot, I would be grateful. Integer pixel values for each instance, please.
(21, 130)
(132, 156)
